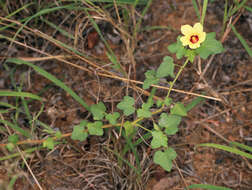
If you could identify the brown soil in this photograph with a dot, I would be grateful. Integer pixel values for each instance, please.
(91, 164)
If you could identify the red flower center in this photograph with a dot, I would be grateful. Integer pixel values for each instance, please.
(194, 39)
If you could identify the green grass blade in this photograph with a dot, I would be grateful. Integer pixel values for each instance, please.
(230, 11)
(238, 7)
(111, 54)
(130, 2)
(135, 3)
(243, 42)
(133, 149)
(225, 17)
(196, 8)
(194, 103)
(242, 146)
(35, 118)
(25, 106)
(63, 32)
(138, 141)
(137, 28)
(248, 8)
(57, 42)
(228, 149)
(4, 111)
(121, 158)
(18, 10)
(12, 182)
(26, 109)
(28, 19)
(209, 187)
(11, 25)
(18, 154)
(2, 129)
(4, 104)
(3, 6)
(46, 127)
(20, 94)
(150, 28)
(16, 128)
(51, 78)
(205, 2)
(43, 12)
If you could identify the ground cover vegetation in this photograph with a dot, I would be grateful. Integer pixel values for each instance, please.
(126, 94)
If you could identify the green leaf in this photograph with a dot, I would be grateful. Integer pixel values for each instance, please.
(181, 52)
(10, 146)
(170, 123)
(170, 153)
(58, 135)
(177, 48)
(147, 106)
(164, 159)
(127, 105)
(143, 113)
(150, 79)
(173, 47)
(190, 54)
(13, 138)
(112, 118)
(179, 109)
(159, 103)
(98, 111)
(167, 101)
(208, 187)
(49, 143)
(166, 68)
(161, 159)
(79, 133)
(129, 128)
(209, 46)
(156, 127)
(159, 139)
(95, 128)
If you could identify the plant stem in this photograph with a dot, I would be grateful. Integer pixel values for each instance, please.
(203, 12)
(153, 91)
(225, 17)
(143, 127)
(177, 76)
(140, 19)
(168, 94)
(119, 124)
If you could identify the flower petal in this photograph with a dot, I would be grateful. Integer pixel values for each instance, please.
(186, 29)
(194, 46)
(189, 32)
(202, 37)
(198, 27)
(184, 41)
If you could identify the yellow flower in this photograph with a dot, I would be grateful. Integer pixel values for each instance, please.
(193, 36)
